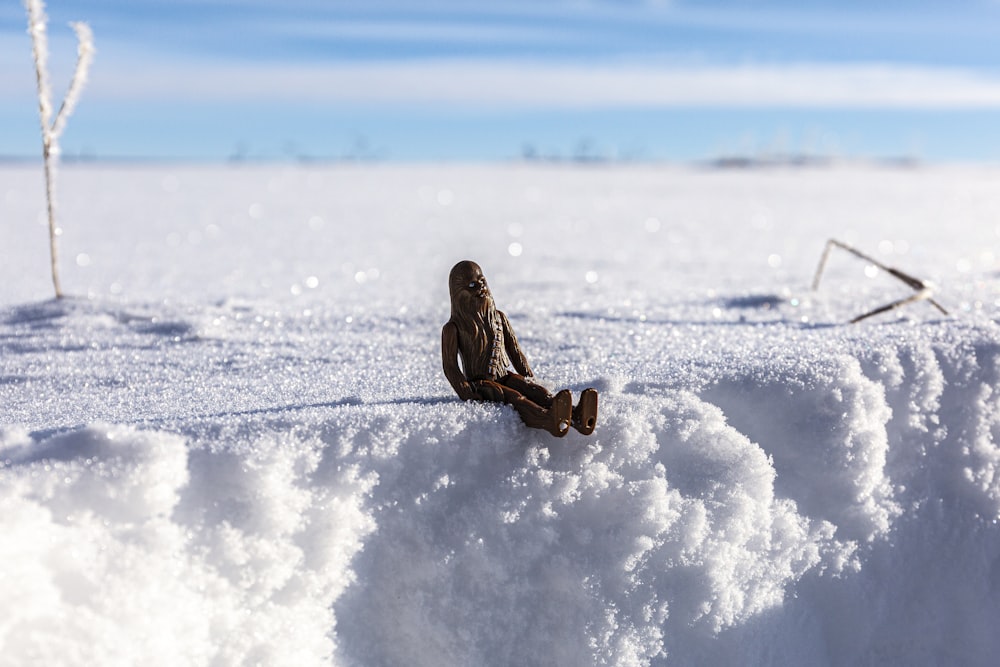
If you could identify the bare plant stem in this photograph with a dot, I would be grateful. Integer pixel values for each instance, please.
(50, 186)
(52, 129)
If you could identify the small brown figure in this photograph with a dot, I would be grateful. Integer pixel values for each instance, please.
(482, 337)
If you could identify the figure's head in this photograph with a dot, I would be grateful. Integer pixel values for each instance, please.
(469, 292)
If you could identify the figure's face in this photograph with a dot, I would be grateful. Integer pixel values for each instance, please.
(476, 284)
(468, 285)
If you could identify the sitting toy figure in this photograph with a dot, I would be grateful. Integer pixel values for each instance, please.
(481, 336)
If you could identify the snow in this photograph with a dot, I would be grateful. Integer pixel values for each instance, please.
(235, 445)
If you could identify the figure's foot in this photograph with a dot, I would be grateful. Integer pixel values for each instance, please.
(585, 412)
(561, 413)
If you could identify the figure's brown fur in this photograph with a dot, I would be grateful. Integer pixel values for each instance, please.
(481, 329)
(481, 336)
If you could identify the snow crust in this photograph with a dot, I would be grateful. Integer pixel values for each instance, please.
(235, 444)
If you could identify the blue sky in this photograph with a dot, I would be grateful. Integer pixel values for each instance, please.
(476, 80)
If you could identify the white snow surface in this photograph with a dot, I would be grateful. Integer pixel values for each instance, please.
(233, 444)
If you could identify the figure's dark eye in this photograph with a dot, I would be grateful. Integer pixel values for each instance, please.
(473, 285)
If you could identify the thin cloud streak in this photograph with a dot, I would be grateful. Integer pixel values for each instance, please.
(454, 32)
(535, 85)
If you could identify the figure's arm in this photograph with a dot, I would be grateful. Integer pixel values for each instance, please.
(517, 358)
(449, 361)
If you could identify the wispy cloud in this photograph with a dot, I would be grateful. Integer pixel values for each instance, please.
(454, 32)
(534, 85)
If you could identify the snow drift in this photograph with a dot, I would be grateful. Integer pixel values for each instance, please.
(281, 475)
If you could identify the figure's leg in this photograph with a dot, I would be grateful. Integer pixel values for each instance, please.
(585, 412)
(535, 392)
(555, 419)
(488, 390)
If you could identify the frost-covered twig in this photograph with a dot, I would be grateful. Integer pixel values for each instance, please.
(85, 55)
(52, 129)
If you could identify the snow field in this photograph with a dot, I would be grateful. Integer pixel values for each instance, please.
(238, 447)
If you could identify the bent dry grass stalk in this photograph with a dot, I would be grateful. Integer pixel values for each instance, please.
(923, 290)
(52, 129)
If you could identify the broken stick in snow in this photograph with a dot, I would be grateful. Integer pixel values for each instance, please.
(923, 290)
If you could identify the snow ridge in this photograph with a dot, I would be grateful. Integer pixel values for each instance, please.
(447, 533)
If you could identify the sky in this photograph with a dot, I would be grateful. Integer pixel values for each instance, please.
(474, 80)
